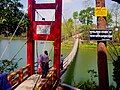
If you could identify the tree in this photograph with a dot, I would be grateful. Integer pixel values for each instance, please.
(114, 52)
(75, 17)
(116, 72)
(86, 16)
(67, 28)
(109, 19)
(85, 33)
(8, 65)
(115, 11)
(11, 14)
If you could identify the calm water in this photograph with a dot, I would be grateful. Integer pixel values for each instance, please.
(85, 60)
(12, 50)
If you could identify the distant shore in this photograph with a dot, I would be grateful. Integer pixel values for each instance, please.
(14, 38)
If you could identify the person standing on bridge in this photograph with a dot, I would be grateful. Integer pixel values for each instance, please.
(43, 60)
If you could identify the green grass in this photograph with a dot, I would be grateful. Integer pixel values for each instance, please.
(88, 46)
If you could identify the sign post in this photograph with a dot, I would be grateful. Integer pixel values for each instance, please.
(101, 51)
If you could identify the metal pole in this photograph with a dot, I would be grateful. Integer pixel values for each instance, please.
(102, 56)
(30, 42)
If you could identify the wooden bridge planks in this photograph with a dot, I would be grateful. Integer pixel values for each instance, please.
(29, 84)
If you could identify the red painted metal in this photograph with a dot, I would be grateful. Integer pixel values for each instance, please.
(30, 43)
(55, 31)
(45, 6)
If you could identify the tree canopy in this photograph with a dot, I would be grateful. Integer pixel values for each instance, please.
(10, 15)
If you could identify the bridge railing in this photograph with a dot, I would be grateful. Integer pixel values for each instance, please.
(71, 56)
(51, 79)
(49, 82)
(19, 76)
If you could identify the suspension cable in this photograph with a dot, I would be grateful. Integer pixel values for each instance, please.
(11, 38)
(9, 42)
(45, 44)
(50, 27)
(37, 51)
(12, 58)
(46, 27)
(40, 15)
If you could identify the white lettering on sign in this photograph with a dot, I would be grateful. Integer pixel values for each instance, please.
(101, 35)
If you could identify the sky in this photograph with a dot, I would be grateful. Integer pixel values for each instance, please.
(69, 6)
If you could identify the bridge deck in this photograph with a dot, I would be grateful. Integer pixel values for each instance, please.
(71, 56)
(34, 80)
(29, 84)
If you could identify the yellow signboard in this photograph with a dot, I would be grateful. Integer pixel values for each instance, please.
(100, 11)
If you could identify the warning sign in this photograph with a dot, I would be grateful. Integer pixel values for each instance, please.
(102, 35)
(100, 11)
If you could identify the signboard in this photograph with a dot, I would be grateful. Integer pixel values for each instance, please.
(43, 29)
(101, 35)
(100, 11)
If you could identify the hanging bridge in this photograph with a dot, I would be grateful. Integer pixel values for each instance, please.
(50, 30)
(42, 30)
(22, 80)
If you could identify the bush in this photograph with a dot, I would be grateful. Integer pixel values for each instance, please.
(8, 65)
(116, 72)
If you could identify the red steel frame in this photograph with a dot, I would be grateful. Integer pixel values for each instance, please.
(55, 31)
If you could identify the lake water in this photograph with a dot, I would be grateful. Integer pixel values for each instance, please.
(85, 60)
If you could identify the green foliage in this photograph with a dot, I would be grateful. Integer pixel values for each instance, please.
(116, 72)
(67, 28)
(8, 65)
(75, 15)
(109, 19)
(85, 33)
(86, 16)
(114, 52)
(10, 16)
(89, 84)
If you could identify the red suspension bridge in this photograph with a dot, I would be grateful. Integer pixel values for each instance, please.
(25, 78)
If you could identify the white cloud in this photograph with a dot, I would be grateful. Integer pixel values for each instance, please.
(67, 1)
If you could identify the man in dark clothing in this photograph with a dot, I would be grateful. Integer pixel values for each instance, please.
(44, 63)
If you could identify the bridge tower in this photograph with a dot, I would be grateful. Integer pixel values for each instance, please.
(54, 35)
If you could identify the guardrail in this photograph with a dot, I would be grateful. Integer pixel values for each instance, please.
(19, 76)
(71, 56)
(49, 82)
